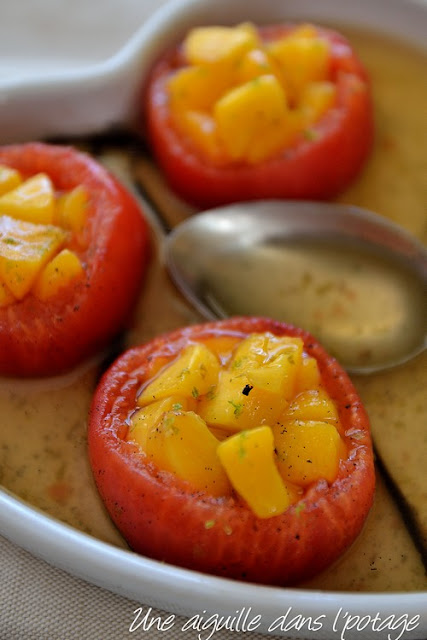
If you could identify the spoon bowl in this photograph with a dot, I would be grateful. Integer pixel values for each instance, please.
(352, 278)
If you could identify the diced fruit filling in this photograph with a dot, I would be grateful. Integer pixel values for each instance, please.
(242, 99)
(39, 230)
(241, 416)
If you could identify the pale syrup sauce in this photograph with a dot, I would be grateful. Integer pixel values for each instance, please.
(43, 448)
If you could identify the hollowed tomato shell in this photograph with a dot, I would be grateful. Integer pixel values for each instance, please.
(161, 517)
(313, 169)
(49, 337)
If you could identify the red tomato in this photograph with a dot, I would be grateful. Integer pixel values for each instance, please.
(160, 516)
(45, 338)
(318, 168)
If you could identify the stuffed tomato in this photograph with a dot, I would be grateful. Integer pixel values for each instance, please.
(73, 248)
(244, 113)
(238, 448)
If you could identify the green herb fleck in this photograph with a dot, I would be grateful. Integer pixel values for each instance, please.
(168, 425)
(237, 363)
(311, 134)
(177, 406)
(195, 392)
(242, 451)
(238, 408)
(211, 393)
(299, 508)
(209, 524)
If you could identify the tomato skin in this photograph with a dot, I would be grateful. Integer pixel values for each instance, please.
(160, 516)
(315, 169)
(46, 338)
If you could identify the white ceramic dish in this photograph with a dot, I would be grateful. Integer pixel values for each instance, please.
(89, 97)
(85, 86)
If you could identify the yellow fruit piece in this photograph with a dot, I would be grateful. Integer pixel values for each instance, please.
(251, 118)
(248, 459)
(32, 201)
(255, 63)
(191, 375)
(223, 347)
(302, 60)
(234, 405)
(9, 179)
(278, 375)
(198, 88)
(143, 419)
(308, 375)
(313, 404)
(269, 142)
(270, 363)
(180, 442)
(25, 249)
(6, 297)
(201, 130)
(213, 45)
(71, 210)
(57, 274)
(305, 31)
(253, 350)
(316, 99)
(308, 451)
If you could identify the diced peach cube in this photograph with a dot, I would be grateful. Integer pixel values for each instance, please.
(308, 375)
(225, 45)
(71, 210)
(9, 179)
(251, 118)
(198, 88)
(255, 63)
(32, 200)
(191, 375)
(59, 272)
(25, 248)
(143, 419)
(302, 60)
(201, 131)
(270, 363)
(313, 404)
(248, 458)
(234, 404)
(181, 443)
(316, 99)
(308, 451)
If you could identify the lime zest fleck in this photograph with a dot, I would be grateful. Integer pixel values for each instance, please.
(299, 508)
(237, 363)
(311, 134)
(242, 451)
(238, 407)
(211, 393)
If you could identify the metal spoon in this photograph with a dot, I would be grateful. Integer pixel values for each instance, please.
(355, 280)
